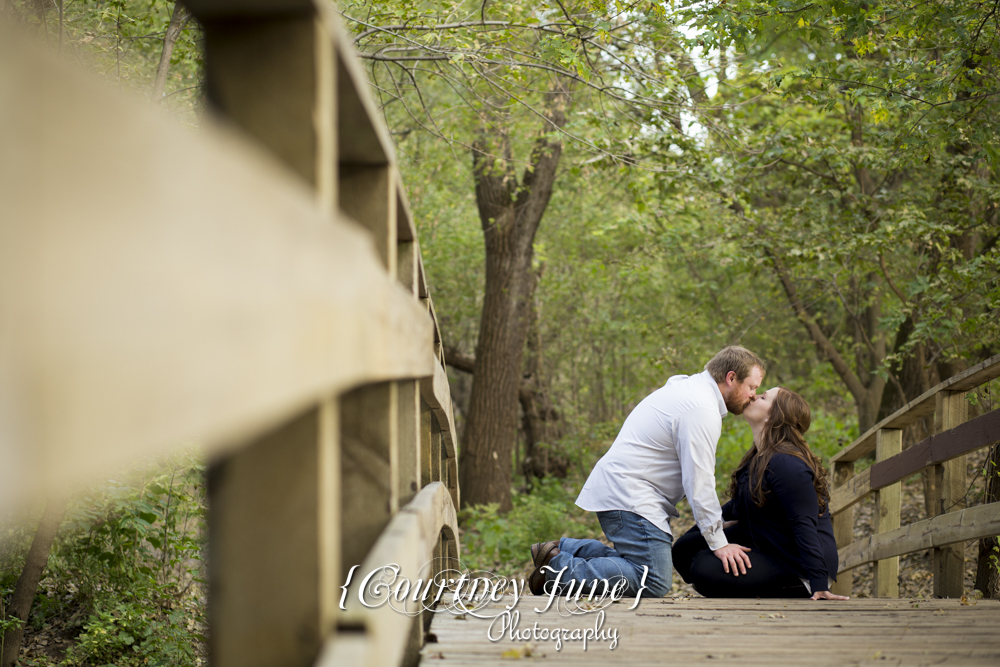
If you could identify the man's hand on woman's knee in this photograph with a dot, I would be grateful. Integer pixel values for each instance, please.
(735, 557)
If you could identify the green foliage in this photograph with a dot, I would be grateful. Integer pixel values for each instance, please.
(865, 164)
(126, 574)
(502, 543)
(127, 634)
(134, 552)
(121, 41)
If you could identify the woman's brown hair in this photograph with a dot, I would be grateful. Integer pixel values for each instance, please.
(784, 431)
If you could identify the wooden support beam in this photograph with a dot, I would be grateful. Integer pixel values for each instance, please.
(426, 432)
(437, 394)
(972, 523)
(941, 447)
(215, 315)
(436, 452)
(854, 489)
(369, 467)
(368, 196)
(951, 485)
(406, 229)
(409, 440)
(843, 523)
(273, 534)
(980, 432)
(920, 407)
(274, 77)
(888, 443)
(407, 254)
(363, 140)
(409, 541)
(452, 466)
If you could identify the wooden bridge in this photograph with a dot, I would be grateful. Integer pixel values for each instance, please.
(955, 629)
(255, 287)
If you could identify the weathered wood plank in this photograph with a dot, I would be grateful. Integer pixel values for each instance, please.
(851, 492)
(408, 541)
(889, 442)
(273, 77)
(951, 484)
(273, 542)
(368, 196)
(745, 632)
(843, 524)
(436, 391)
(363, 140)
(369, 485)
(409, 440)
(216, 314)
(960, 526)
(406, 230)
(920, 407)
(967, 437)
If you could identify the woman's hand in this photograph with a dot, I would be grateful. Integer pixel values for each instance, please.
(728, 524)
(827, 595)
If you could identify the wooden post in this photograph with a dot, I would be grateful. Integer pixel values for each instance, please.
(951, 409)
(275, 78)
(369, 467)
(409, 440)
(426, 431)
(436, 472)
(452, 465)
(888, 442)
(406, 257)
(368, 196)
(273, 535)
(843, 526)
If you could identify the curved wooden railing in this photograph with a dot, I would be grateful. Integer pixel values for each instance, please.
(951, 523)
(255, 287)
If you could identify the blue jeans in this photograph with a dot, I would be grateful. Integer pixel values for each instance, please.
(637, 542)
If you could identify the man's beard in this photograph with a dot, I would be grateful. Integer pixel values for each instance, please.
(734, 405)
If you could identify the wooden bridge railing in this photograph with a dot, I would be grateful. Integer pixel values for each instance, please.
(255, 287)
(951, 523)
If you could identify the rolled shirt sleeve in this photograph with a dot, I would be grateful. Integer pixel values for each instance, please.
(698, 434)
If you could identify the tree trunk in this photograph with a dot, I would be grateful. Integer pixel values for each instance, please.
(510, 214)
(539, 418)
(988, 565)
(178, 19)
(27, 584)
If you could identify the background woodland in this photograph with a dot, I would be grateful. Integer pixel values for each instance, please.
(606, 194)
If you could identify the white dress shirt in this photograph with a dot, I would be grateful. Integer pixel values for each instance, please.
(665, 451)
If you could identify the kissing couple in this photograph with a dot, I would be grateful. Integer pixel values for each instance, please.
(773, 538)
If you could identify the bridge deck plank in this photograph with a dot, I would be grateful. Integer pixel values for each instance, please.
(770, 633)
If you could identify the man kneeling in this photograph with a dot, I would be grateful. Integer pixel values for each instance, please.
(664, 451)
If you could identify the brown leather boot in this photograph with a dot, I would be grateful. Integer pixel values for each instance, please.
(540, 550)
(541, 554)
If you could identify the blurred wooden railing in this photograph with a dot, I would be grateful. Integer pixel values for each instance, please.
(951, 523)
(254, 286)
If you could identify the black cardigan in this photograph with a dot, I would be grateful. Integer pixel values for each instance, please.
(789, 526)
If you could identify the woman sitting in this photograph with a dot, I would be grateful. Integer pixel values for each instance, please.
(779, 508)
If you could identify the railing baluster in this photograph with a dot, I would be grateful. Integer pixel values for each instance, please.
(273, 545)
(951, 409)
(888, 442)
(369, 467)
(843, 526)
(409, 440)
